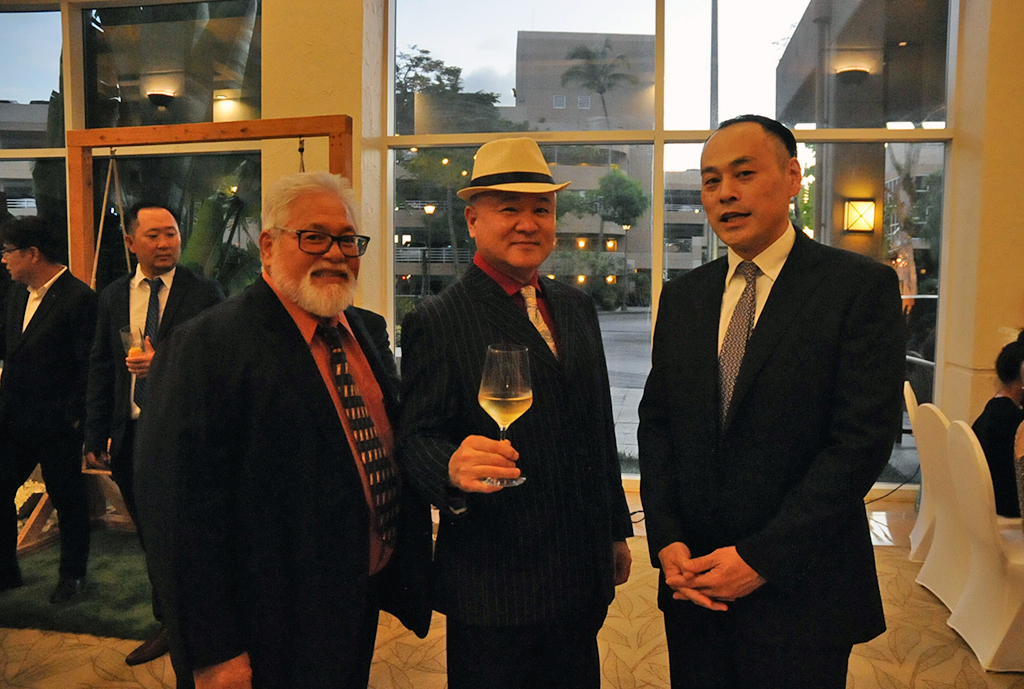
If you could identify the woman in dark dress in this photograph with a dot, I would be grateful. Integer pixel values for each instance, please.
(997, 426)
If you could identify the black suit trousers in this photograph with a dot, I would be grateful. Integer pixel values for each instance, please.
(560, 654)
(706, 653)
(60, 456)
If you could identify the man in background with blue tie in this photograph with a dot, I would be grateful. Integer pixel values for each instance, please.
(152, 300)
(772, 406)
(524, 573)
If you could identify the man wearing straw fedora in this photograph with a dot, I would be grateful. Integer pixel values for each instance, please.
(524, 573)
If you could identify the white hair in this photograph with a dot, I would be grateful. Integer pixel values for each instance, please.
(288, 189)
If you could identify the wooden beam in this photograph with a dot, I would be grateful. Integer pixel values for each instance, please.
(247, 130)
(81, 238)
(80, 142)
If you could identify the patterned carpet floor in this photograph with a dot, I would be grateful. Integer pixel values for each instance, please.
(918, 652)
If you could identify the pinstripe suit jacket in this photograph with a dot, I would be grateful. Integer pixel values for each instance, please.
(543, 550)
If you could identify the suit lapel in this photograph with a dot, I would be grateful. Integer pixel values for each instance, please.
(796, 283)
(182, 282)
(385, 381)
(45, 309)
(501, 312)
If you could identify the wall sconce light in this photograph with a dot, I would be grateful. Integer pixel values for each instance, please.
(859, 216)
(160, 99)
(852, 74)
(611, 245)
(611, 279)
(581, 279)
(429, 209)
(551, 277)
(581, 243)
(626, 227)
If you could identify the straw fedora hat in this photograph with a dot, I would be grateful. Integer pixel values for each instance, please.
(510, 165)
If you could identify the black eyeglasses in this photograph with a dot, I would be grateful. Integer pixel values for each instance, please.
(319, 243)
(5, 250)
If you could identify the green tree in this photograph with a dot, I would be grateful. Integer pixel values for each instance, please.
(619, 199)
(596, 71)
(438, 173)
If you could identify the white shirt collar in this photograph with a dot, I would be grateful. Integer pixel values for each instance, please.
(771, 260)
(41, 292)
(167, 278)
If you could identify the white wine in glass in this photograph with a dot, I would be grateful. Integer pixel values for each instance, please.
(506, 392)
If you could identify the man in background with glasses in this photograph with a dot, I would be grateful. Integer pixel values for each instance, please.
(276, 525)
(151, 300)
(48, 324)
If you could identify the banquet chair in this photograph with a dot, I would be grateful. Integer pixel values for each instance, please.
(990, 613)
(944, 571)
(924, 527)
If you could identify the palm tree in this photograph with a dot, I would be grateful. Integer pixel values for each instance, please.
(596, 71)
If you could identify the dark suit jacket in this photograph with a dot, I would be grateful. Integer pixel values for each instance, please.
(42, 390)
(108, 402)
(257, 526)
(815, 411)
(542, 550)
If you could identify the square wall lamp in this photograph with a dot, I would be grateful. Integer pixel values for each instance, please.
(859, 216)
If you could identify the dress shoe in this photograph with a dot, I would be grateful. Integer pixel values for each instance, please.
(67, 588)
(151, 649)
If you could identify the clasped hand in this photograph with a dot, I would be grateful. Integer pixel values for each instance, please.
(478, 458)
(710, 581)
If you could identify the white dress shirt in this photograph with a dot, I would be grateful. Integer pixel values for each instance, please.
(770, 261)
(138, 307)
(35, 297)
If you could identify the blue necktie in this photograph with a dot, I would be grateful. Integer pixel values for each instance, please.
(152, 325)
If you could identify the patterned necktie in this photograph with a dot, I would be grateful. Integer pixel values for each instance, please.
(152, 325)
(529, 293)
(381, 471)
(737, 334)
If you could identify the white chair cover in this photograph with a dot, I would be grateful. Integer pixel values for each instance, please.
(990, 612)
(944, 571)
(924, 527)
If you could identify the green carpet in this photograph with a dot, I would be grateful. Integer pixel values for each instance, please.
(116, 600)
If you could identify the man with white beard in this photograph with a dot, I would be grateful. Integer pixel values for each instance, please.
(266, 471)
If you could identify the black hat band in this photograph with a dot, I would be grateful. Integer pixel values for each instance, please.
(512, 178)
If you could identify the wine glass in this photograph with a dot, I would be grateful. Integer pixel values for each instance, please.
(505, 392)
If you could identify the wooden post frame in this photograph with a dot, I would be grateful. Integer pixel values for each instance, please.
(81, 142)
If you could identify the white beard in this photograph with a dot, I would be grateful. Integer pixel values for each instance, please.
(325, 301)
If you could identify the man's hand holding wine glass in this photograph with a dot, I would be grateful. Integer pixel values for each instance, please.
(479, 458)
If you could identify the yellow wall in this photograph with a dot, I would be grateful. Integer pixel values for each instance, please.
(981, 304)
(325, 58)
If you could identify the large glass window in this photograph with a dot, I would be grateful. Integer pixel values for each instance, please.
(31, 105)
(582, 77)
(846, 63)
(604, 232)
(532, 65)
(172, 64)
(216, 197)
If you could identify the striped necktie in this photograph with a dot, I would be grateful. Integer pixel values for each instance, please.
(381, 471)
(529, 293)
(740, 326)
(152, 326)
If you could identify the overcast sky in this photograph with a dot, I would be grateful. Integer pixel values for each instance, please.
(29, 55)
(480, 37)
